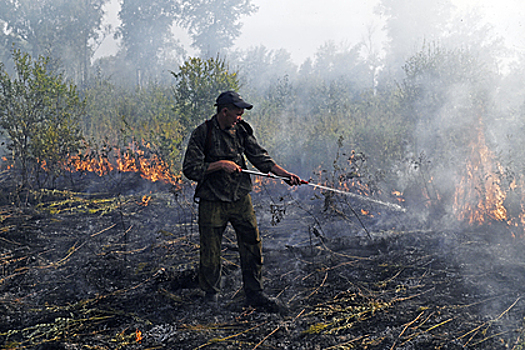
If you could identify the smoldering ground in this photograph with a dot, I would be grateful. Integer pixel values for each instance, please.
(120, 272)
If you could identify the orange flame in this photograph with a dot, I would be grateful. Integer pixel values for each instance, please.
(145, 200)
(366, 213)
(479, 196)
(134, 159)
(6, 164)
(259, 183)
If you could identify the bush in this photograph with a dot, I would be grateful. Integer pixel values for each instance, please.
(40, 113)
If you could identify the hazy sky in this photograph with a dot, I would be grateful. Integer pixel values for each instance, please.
(302, 26)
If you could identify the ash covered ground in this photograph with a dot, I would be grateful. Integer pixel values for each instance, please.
(104, 271)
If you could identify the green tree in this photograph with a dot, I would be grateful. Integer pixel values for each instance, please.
(150, 117)
(116, 116)
(411, 23)
(336, 62)
(147, 41)
(102, 121)
(259, 67)
(199, 82)
(39, 112)
(214, 24)
(440, 91)
(64, 30)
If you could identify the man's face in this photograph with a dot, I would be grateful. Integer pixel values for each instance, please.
(232, 116)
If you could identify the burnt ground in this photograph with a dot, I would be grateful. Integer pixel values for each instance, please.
(119, 272)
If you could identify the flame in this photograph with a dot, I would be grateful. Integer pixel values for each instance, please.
(133, 159)
(260, 183)
(366, 213)
(479, 196)
(6, 163)
(145, 200)
(138, 336)
(398, 196)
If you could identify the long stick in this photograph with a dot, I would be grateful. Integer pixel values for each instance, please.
(357, 196)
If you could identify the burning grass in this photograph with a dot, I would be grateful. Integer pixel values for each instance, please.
(124, 276)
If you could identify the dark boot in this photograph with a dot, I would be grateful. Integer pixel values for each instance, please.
(211, 297)
(259, 300)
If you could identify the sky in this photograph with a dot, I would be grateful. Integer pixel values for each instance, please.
(302, 26)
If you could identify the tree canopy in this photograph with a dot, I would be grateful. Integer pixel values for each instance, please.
(65, 30)
(40, 114)
(214, 24)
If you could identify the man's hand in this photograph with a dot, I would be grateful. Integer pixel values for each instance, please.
(294, 179)
(226, 165)
(230, 167)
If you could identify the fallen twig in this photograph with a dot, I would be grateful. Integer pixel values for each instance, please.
(104, 230)
(347, 342)
(438, 325)
(4, 229)
(488, 324)
(319, 287)
(217, 340)
(269, 335)
(405, 328)
(492, 336)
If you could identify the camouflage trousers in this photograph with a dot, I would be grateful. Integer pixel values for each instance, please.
(214, 216)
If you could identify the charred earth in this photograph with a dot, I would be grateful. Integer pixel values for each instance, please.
(118, 271)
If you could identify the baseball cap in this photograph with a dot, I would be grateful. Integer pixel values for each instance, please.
(232, 98)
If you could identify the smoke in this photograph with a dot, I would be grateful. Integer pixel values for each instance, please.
(411, 89)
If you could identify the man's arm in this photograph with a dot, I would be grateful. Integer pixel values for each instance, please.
(226, 165)
(194, 165)
(260, 158)
(294, 179)
(231, 167)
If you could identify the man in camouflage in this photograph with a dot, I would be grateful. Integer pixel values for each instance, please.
(214, 158)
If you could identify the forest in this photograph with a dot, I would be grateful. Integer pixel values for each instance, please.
(433, 122)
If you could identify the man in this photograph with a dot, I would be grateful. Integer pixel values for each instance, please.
(214, 158)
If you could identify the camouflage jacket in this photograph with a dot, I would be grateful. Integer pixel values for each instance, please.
(230, 144)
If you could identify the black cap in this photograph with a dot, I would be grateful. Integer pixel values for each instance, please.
(232, 98)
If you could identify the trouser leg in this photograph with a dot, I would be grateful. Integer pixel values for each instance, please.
(250, 246)
(212, 224)
(210, 258)
(251, 265)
